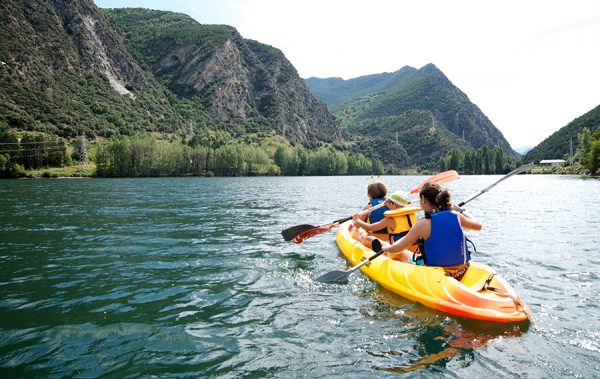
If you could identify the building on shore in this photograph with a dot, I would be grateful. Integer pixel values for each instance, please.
(552, 162)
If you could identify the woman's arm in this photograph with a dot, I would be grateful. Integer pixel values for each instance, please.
(417, 231)
(365, 215)
(469, 222)
(466, 219)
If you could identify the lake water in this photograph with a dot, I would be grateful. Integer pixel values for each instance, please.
(190, 277)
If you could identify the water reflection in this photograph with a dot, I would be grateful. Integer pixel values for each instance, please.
(433, 338)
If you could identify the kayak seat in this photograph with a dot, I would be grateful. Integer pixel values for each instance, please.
(475, 278)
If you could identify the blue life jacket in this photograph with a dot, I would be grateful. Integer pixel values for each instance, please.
(377, 214)
(446, 245)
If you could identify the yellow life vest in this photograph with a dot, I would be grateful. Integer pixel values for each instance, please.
(404, 219)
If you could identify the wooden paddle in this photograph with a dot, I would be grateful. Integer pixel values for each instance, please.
(300, 233)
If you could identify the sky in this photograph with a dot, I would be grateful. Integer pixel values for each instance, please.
(531, 66)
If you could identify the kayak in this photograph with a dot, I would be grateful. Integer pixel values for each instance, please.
(481, 294)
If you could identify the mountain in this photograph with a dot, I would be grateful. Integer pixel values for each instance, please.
(64, 70)
(523, 149)
(337, 91)
(429, 115)
(558, 145)
(68, 67)
(236, 80)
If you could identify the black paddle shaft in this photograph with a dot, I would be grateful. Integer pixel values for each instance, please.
(340, 277)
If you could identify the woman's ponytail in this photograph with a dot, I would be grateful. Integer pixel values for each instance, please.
(436, 195)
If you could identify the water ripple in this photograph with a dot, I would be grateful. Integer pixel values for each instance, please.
(190, 277)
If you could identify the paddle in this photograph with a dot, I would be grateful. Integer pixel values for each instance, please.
(441, 178)
(340, 277)
(299, 233)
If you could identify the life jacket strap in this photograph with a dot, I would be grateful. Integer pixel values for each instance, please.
(456, 272)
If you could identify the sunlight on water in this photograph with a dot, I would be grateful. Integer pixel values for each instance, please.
(191, 277)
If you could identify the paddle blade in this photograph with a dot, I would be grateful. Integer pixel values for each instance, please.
(334, 277)
(292, 232)
(441, 178)
(312, 232)
(376, 245)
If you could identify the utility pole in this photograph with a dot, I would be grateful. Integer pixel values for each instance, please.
(190, 131)
(83, 151)
(571, 152)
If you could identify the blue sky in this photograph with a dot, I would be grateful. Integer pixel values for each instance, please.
(530, 66)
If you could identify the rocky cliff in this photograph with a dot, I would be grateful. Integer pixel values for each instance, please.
(237, 80)
(68, 67)
(65, 71)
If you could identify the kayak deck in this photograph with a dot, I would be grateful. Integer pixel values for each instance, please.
(481, 294)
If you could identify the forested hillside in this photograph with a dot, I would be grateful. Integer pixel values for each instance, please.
(64, 71)
(337, 91)
(559, 144)
(72, 73)
(244, 86)
(122, 88)
(411, 117)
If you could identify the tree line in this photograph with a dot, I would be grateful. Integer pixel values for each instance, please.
(143, 156)
(30, 151)
(587, 153)
(482, 161)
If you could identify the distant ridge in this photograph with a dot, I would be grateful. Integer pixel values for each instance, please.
(428, 114)
(337, 91)
(523, 149)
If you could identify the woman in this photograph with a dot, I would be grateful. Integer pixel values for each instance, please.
(440, 232)
(392, 226)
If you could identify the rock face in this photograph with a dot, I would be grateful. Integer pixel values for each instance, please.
(238, 80)
(66, 72)
(70, 67)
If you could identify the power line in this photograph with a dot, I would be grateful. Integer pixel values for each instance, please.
(28, 156)
(41, 150)
(32, 143)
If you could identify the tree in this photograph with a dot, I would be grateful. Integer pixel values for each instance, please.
(468, 165)
(585, 141)
(455, 160)
(499, 161)
(593, 158)
(377, 167)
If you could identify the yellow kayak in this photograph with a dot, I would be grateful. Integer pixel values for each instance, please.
(481, 294)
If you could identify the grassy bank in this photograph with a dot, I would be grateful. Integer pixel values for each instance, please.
(76, 171)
